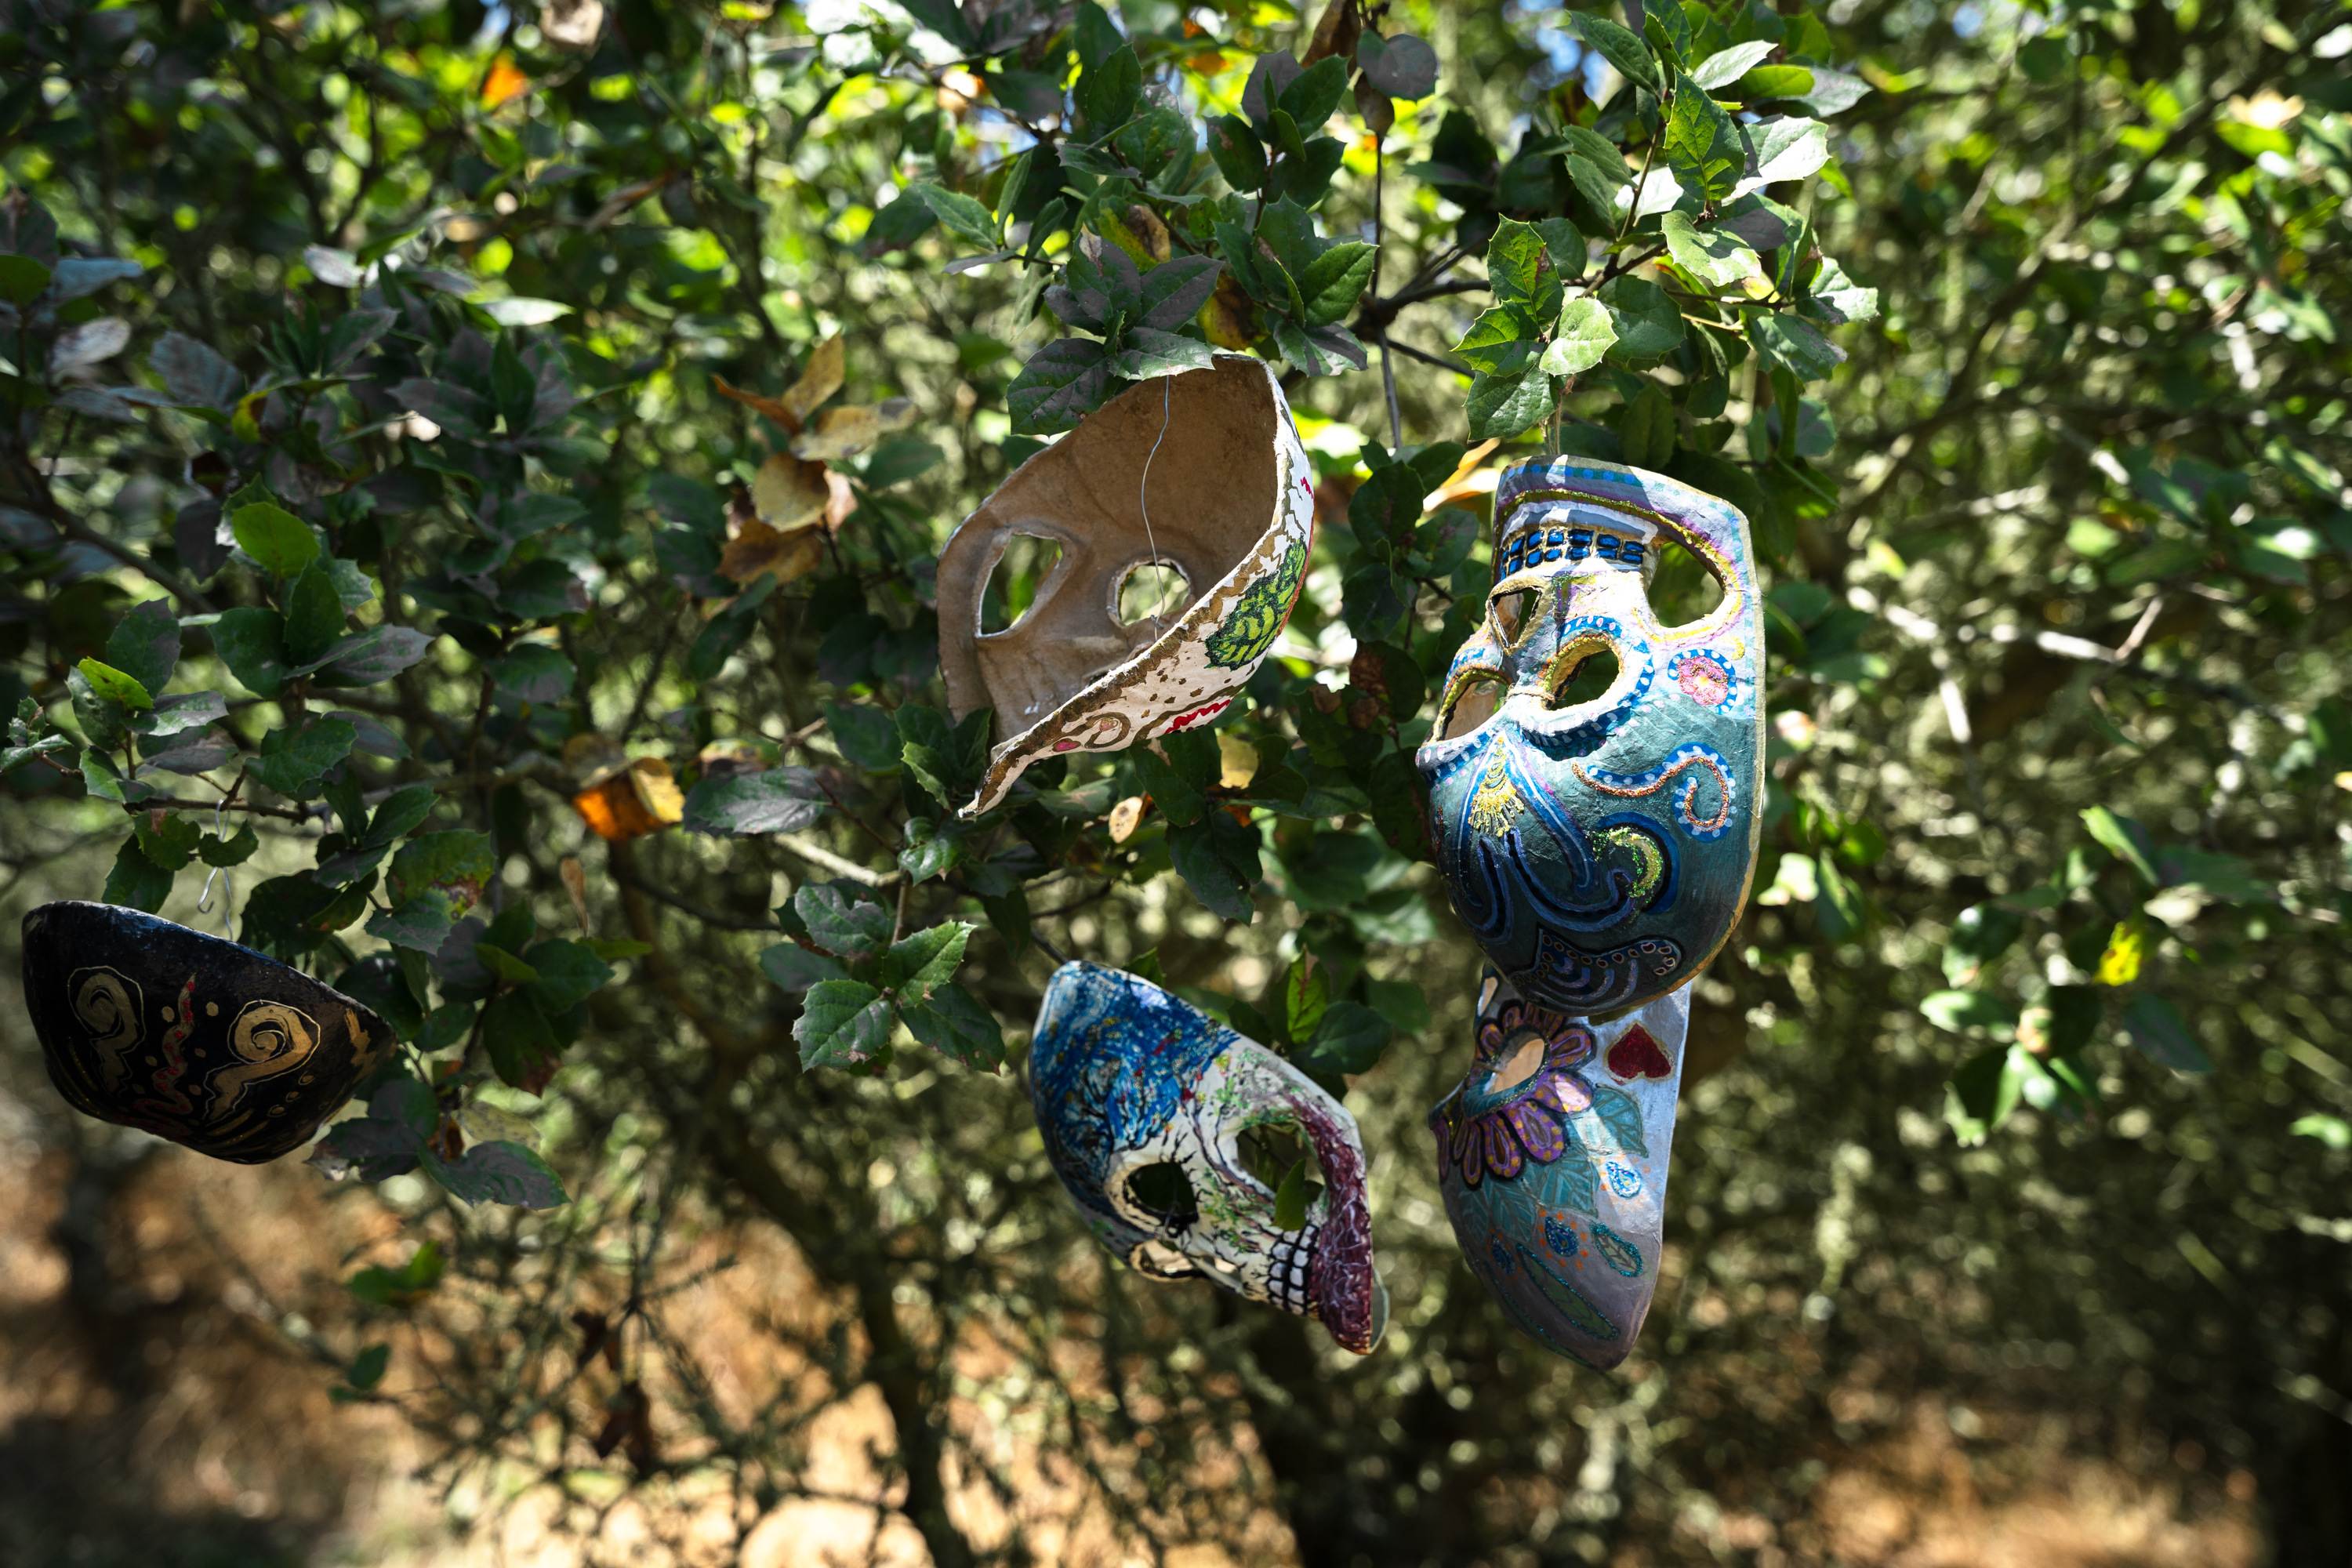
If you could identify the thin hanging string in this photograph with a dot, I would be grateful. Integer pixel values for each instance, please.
(1143, 501)
(228, 883)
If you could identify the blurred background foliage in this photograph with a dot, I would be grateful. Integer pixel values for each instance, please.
(2020, 1106)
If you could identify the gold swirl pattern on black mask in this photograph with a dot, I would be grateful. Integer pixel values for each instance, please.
(269, 1039)
(108, 1004)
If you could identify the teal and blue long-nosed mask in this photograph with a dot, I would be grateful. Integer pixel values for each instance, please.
(1600, 851)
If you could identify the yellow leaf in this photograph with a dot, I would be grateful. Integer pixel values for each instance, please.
(505, 82)
(1237, 760)
(819, 379)
(639, 799)
(2119, 966)
(1124, 817)
(760, 548)
(1230, 319)
(788, 492)
(1141, 233)
(841, 432)
(772, 408)
(489, 1124)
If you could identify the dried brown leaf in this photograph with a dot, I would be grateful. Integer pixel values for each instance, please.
(761, 548)
(772, 408)
(819, 379)
(788, 493)
(841, 432)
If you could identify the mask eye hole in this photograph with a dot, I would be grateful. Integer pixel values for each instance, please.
(1523, 1053)
(1155, 591)
(1472, 708)
(1272, 1149)
(1585, 680)
(1510, 612)
(1028, 560)
(1162, 1189)
(1686, 588)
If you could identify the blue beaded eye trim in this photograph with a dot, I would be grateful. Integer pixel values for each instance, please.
(1537, 547)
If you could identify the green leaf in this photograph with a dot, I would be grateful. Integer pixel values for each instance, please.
(842, 1022)
(280, 543)
(400, 1287)
(1720, 69)
(795, 968)
(839, 925)
(145, 644)
(1178, 799)
(954, 1024)
(367, 1368)
(1239, 155)
(2126, 840)
(1717, 257)
(136, 882)
(22, 279)
(1349, 1039)
(565, 974)
(520, 1044)
(314, 616)
(1703, 144)
(920, 963)
(116, 686)
(1983, 1092)
(456, 861)
(1619, 47)
(1306, 996)
(1108, 94)
(1504, 338)
(1519, 271)
(1647, 429)
(2157, 1028)
(497, 1172)
(1584, 337)
(1960, 1011)
(1787, 149)
(962, 215)
(781, 800)
(867, 737)
(251, 642)
(235, 850)
(292, 761)
(1981, 934)
(1647, 324)
(1332, 283)
(1774, 81)
(1314, 93)
(1290, 1199)
(172, 844)
(1794, 345)
(1218, 859)
(1148, 351)
(507, 966)
(1502, 405)
(1063, 381)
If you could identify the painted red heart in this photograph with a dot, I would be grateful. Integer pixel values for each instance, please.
(1637, 1055)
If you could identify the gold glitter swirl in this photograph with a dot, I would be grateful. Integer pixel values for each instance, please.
(107, 1004)
(269, 1039)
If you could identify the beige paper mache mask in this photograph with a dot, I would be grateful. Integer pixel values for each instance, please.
(1227, 498)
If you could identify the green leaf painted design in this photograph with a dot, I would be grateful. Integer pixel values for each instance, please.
(1256, 621)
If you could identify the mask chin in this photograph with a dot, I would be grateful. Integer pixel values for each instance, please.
(1198, 477)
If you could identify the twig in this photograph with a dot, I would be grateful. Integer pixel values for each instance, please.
(817, 855)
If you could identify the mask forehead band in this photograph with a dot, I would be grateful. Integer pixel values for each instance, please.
(1561, 535)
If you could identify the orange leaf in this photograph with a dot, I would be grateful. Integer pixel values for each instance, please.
(788, 492)
(760, 548)
(640, 799)
(505, 82)
(770, 408)
(819, 379)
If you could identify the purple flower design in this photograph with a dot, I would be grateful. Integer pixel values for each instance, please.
(1527, 1056)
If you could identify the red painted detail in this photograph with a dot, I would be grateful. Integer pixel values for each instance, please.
(1186, 720)
(1637, 1055)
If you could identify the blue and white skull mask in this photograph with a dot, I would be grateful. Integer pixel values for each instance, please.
(1126, 1078)
(1600, 851)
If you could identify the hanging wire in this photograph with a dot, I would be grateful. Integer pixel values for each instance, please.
(228, 883)
(1142, 499)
